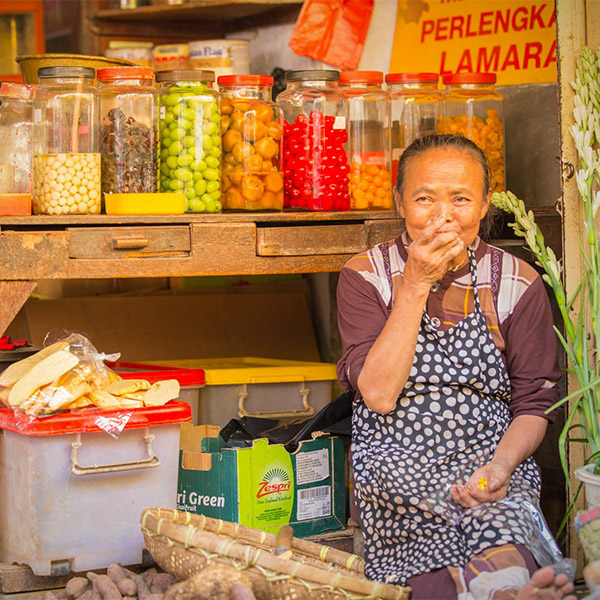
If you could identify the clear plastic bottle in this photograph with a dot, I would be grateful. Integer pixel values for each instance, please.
(190, 156)
(315, 160)
(475, 109)
(66, 161)
(128, 130)
(369, 144)
(252, 128)
(16, 132)
(417, 109)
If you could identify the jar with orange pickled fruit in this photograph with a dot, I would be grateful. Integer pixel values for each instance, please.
(474, 109)
(370, 179)
(252, 130)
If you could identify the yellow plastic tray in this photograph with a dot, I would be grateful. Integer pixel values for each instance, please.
(250, 369)
(168, 203)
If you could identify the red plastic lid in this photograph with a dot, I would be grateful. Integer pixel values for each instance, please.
(153, 373)
(412, 78)
(245, 80)
(114, 73)
(84, 420)
(361, 77)
(458, 78)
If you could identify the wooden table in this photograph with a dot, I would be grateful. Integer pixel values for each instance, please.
(103, 246)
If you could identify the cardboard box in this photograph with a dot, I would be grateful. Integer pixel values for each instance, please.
(264, 486)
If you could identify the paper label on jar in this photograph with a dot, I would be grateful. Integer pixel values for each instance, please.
(163, 112)
(37, 115)
(339, 123)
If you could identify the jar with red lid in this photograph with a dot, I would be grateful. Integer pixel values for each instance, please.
(417, 109)
(474, 109)
(252, 130)
(370, 181)
(315, 162)
(128, 130)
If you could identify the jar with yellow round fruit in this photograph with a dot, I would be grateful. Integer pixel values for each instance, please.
(474, 109)
(370, 178)
(252, 129)
(66, 161)
(190, 138)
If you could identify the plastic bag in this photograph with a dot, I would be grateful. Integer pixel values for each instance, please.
(540, 541)
(333, 31)
(59, 377)
(114, 424)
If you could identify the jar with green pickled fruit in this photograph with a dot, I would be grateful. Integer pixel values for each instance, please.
(190, 138)
(252, 129)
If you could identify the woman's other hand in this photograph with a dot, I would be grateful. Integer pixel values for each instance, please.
(487, 483)
(431, 254)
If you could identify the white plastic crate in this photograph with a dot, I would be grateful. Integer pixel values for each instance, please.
(60, 501)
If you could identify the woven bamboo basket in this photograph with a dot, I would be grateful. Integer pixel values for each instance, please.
(183, 544)
(589, 536)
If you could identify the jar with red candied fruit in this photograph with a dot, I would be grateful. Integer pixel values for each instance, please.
(370, 182)
(315, 160)
(252, 130)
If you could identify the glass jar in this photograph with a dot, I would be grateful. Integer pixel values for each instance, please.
(369, 140)
(474, 109)
(66, 161)
(315, 162)
(16, 132)
(417, 110)
(252, 128)
(128, 130)
(190, 156)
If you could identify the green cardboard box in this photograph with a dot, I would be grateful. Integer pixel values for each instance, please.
(264, 486)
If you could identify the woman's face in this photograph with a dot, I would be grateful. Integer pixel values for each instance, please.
(444, 181)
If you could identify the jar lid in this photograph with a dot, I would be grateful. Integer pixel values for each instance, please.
(466, 78)
(85, 72)
(245, 80)
(412, 78)
(361, 77)
(313, 75)
(173, 75)
(116, 73)
(19, 91)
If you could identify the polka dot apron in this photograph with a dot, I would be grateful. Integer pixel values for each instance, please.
(447, 422)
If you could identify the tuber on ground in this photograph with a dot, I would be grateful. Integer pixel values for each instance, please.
(212, 583)
(116, 572)
(76, 586)
(127, 587)
(239, 591)
(161, 582)
(149, 575)
(105, 585)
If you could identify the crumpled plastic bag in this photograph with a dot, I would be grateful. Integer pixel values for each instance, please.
(333, 31)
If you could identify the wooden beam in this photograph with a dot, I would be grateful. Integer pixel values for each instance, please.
(13, 295)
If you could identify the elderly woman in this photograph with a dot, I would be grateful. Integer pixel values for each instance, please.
(449, 344)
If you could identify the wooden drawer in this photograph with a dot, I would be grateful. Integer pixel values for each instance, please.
(129, 242)
(315, 240)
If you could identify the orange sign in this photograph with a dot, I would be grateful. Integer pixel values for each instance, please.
(514, 38)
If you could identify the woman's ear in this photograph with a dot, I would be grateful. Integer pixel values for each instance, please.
(398, 202)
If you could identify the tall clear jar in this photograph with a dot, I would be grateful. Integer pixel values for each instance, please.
(315, 160)
(66, 161)
(417, 110)
(128, 130)
(190, 156)
(370, 182)
(16, 132)
(474, 109)
(252, 129)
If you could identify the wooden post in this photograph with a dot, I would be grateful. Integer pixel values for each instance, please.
(578, 24)
(13, 295)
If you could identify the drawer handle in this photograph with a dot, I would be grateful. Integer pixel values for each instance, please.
(130, 243)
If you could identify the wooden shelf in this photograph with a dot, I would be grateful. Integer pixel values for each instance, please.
(212, 10)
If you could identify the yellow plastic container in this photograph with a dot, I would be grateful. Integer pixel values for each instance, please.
(169, 203)
(258, 387)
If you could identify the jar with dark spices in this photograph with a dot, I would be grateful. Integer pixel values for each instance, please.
(128, 130)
